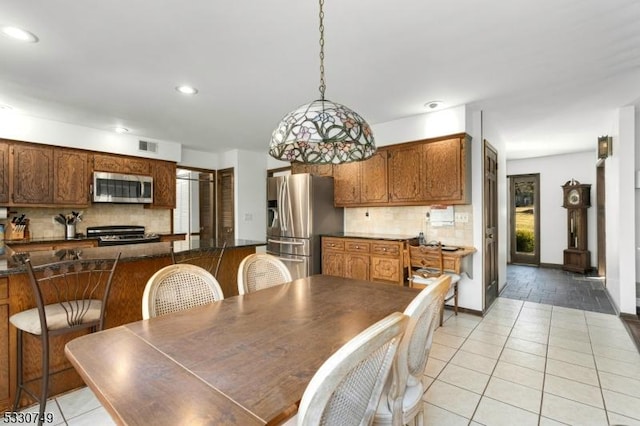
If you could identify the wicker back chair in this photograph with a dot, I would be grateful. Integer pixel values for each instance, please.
(426, 265)
(259, 271)
(208, 258)
(346, 388)
(401, 401)
(70, 295)
(178, 287)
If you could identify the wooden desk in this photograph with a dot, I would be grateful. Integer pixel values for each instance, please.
(245, 360)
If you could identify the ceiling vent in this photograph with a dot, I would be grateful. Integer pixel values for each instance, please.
(148, 146)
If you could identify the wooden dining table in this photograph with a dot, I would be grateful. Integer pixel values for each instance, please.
(245, 360)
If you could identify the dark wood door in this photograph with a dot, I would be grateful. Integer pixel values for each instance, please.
(490, 225)
(225, 210)
(206, 195)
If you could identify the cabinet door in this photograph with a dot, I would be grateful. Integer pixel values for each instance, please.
(406, 174)
(333, 263)
(373, 179)
(386, 269)
(32, 174)
(443, 170)
(314, 169)
(4, 172)
(357, 266)
(71, 177)
(121, 164)
(164, 184)
(4, 345)
(346, 184)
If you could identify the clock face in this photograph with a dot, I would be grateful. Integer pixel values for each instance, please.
(574, 197)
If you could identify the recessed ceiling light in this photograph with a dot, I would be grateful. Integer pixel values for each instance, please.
(187, 90)
(433, 104)
(20, 34)
(121, 129)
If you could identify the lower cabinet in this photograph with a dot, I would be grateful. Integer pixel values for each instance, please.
(363, 259)
(5, 347)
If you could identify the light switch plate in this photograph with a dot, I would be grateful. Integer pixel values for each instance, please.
(462, 217)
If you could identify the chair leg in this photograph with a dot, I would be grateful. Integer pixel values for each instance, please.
(442, 315)
(45, 378)
(455, 299)
(19, 378)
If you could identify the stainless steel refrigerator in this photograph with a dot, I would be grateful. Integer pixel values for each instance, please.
(299, 210)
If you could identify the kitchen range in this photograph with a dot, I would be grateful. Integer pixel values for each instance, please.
(121, 234)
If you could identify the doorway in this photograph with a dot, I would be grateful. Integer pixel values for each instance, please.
(195, 204)
(524, 213)
(490, 219)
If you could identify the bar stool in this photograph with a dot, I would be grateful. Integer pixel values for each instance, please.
(70, 295)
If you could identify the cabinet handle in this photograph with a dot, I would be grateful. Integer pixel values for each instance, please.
(384, 249)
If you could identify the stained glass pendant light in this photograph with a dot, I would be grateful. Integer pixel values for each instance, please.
(322, 132)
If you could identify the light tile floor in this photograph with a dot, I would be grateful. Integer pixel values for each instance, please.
(527, 363)
(524, 363)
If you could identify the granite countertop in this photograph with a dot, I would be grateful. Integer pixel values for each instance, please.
(373, 236)
(10, 260)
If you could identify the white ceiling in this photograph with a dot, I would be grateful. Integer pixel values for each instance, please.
(548, 74)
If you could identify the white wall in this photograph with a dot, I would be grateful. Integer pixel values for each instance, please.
(621, 213)
(554, 172)
(38, 130)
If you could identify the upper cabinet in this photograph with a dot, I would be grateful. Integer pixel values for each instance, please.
(432, 171)
(361, 182)
(4, 172)
(122, 164)
(32, 174)
(71, 177)
(164, 184)
(314, 169)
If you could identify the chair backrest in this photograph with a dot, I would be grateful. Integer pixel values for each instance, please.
(208, 258)
(75, 285)
(413, 352)
(346, 388)
(178, 287)
(422, 257)
(259, 271)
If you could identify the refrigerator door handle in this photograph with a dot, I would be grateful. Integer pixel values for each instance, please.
(291, 243)
(280, 215)
(285, 203)
(291, 260)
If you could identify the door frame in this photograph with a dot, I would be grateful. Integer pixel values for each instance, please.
(490, 226)
(515, 257)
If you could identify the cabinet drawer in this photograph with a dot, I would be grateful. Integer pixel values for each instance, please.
(385, 249)
(333, 244)
(355, 246)
(4, 288)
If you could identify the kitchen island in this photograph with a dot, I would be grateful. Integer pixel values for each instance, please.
(137, 263)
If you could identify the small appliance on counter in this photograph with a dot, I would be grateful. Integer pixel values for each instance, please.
(121, 234)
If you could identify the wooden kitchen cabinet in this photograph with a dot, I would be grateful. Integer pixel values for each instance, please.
(4, 172)
(364, 259)
(71, 178)
(32, 177)
(406, 174)
(164, 184)
(314, 169)
(361, 182)
(121, 164)
(447, 179)
(5, 346)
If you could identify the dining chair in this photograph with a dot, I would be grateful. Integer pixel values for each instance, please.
(70, 295)
(259, 271)
(346, 388)
(426, 264)
(178, 287)
(401, 400)
(208, 258)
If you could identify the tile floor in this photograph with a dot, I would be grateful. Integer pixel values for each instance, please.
(527, 363)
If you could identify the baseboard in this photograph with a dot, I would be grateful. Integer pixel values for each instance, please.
(626, 316)
(551, 265)
(465, 310)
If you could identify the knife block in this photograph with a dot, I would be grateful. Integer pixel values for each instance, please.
(16, 232)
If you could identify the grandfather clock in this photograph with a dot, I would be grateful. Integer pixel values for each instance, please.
(576, 199)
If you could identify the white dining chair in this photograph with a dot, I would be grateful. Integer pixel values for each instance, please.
(177, 287)
(259, 271)
(401, 400)
(346, 388)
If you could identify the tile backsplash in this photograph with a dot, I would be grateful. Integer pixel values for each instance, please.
(42, 225)
(411, 221)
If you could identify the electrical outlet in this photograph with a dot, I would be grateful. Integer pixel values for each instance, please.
(462, 217)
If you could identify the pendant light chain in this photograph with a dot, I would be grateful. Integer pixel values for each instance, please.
(323, 86)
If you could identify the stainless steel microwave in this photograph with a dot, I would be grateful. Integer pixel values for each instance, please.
(122, 188)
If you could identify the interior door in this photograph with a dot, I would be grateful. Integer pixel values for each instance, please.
(490, 224)
(524, 210)
(225, 209)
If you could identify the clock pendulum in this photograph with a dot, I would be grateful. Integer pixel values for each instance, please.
(576, 199)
